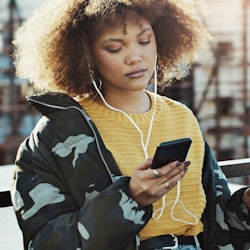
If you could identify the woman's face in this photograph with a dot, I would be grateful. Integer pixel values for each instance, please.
(126, 60)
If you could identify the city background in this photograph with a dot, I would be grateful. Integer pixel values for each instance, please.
(217, 88)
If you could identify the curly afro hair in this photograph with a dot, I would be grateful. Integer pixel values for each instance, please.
(53, 47)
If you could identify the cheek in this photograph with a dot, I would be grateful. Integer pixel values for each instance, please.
(107, 65)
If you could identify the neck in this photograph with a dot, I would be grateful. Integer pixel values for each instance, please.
(129, 102)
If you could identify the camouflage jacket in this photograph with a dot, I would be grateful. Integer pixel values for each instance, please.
(68, 192)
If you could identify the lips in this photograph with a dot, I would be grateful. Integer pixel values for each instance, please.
(136, 73)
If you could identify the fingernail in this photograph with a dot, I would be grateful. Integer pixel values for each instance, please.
(187, 163)
(178, 164)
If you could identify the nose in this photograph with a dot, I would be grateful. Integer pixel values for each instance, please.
(133, 56)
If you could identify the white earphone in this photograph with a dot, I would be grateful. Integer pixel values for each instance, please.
(145, 145)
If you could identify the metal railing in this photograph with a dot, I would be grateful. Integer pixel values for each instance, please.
(231, 168)
(236, 168)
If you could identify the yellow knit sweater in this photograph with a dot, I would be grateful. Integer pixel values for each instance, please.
(172, 121)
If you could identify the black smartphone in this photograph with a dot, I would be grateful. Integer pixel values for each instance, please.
(170, 151)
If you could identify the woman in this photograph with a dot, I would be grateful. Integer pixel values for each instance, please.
(83, 178)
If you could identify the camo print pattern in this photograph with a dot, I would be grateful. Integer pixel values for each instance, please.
(238, 218)
(68, 192)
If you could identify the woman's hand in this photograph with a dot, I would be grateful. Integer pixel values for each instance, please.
(146, 188)
(246, 198)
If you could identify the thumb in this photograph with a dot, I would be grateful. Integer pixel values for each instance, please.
(246, 198)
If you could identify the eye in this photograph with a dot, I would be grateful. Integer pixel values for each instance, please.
(145, 42)
(113, 51)
(145, 38)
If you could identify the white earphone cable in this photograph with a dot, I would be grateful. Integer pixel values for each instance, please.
(143, 144)
(144, 147)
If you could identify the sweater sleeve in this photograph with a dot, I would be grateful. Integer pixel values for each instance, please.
(50, 217)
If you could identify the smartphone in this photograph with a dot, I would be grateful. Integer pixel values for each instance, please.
(170, 151)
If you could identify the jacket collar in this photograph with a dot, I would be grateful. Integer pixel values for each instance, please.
(51, 102)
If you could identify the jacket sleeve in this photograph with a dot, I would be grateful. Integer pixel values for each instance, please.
(50, 217)
(238, 219)
(216, 232)
(219, 225)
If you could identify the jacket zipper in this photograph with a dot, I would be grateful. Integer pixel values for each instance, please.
(87, 118)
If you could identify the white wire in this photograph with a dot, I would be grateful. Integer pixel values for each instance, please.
(186, 210)
(144, 145)
(177, 199)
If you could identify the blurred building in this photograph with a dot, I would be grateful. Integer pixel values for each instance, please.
(16, 117)
(217, 89)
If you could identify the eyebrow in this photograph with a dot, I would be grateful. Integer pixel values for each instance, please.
(120, 40)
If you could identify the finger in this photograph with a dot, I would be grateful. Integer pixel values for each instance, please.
(156, 174)
(170, 183)
(246, 198)
(155, 188)
(145, 164)
(173, 169)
